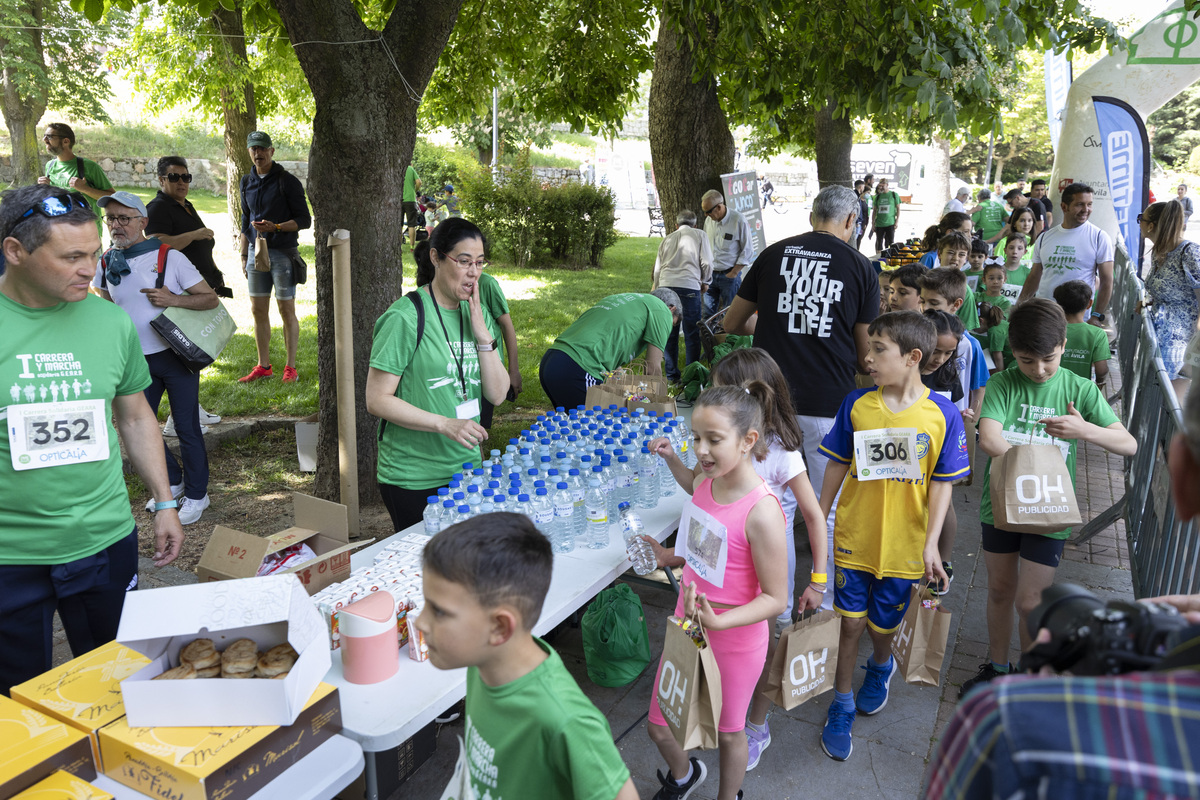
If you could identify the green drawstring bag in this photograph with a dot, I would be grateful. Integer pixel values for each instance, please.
(616, 644)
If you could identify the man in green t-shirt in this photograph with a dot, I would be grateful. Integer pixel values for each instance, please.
(69, 361)
(412, 182)
(71, 171)
(989, 217)
(530, 732)
(885, 216)
(609, 334)
(1036, 402)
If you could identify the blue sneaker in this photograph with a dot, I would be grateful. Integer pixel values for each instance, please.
(835, 736)
(873, 695)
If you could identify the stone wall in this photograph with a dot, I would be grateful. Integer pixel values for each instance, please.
(141, 172)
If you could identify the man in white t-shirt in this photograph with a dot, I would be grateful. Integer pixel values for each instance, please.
(958, 202)
(127, 274)
(1076, 250)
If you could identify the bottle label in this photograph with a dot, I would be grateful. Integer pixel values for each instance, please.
(624, 482)
(577, 496)
(597, 515)
(564, 509)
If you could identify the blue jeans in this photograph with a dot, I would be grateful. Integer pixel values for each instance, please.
(722, 291)
(689, 299)
(280, 277)
(182, 386)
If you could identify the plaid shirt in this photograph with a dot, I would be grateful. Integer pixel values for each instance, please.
(1074, 738)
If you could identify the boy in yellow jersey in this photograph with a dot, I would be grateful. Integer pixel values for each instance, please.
(894, 450)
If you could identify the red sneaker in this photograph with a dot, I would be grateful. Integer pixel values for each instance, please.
(256, 373)
(289, 375)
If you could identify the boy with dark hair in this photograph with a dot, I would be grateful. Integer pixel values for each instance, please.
(953, 249)
(1087, 346)
(895, 489)
(976, 261)
(906, 288)
(1039, 403)
(943, 289)
(530, 730)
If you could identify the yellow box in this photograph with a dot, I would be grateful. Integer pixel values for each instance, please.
(33, 746)
(215, 763)
(85, 692)
(63, 786)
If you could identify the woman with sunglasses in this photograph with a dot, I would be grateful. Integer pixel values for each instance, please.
(1172, 286)
(433, 360)
(175, 222)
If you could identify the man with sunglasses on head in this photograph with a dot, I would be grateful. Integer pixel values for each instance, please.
(68, 362)
(128, 274)
(70, 171)
(732, 244)
(273, 210)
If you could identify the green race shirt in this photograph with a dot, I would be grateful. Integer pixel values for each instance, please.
(968, 312)
(429, 379)
(70, 352)
(410, 185)
(61, 172)
(491, 297)
(1086, 344)
(1017, 403)
(989, 218)
(614, 331)
(1001, 302)
(888, 205)
(997, 342)
(539, 737)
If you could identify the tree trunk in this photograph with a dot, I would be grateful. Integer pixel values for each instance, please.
(237, 108)
(690, 142)
(24, 99)
(360, 150)
(834, 138)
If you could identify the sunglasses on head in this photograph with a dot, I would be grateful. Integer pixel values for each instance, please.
(176, 177)
(56, 205)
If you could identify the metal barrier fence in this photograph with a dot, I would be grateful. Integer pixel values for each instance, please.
(1164, 551)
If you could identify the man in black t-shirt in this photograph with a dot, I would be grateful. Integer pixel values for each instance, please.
(174, 221)
(814, 295)
(1037, 193)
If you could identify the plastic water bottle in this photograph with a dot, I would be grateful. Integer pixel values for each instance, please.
(625, 479)
(578, 488)
(685, 437)
(640, 553)
(543, 513)
(447, 513)
(460, 499)
(463, 514)
(666, 480)
(433, 516)
(609, 484)
(596, 509)
(488, 505)
(648, 477)
(563, 540)
(523, 506)
(474, 499)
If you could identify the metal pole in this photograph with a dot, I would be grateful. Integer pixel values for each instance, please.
(987, 175)
(343, 337)
(495, 132)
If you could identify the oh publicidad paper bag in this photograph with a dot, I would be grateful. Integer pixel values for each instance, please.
(1032, 490)
(919, 645)
(804, 660)
(689, 690)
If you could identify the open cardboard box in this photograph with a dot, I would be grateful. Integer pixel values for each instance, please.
(322, 525)
(270, 610)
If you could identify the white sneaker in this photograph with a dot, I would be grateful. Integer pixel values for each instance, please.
(176, 493)
(169, 428)
(190, 510)
(209, 419)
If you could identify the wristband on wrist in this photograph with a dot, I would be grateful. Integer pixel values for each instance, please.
(277, 228)
(817, 588)
(819, 577)
(163, 506)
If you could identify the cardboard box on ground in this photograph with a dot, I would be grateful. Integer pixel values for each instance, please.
(322, 525)
(270, 610)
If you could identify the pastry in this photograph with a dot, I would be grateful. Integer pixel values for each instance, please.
(181, 672)
(240, 656)
(249, 674)
(201, 654)
(209, 672)
(280, 658)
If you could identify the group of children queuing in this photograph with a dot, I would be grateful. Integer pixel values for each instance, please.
(434, 209)
(529, 726)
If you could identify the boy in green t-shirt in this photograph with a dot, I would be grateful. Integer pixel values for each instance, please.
(976, 261)
(994, 276)
(530, 730)
(1040, 403)
(1087, 345)
(885, 216)
(953, 250)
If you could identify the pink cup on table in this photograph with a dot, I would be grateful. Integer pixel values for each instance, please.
(370, 647)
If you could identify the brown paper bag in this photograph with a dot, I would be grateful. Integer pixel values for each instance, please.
(604, 395)
(1032, 491)
(689, 690)
(862, 381)
(262, 259)
(804, 660)
(919, 645)
(660, 403)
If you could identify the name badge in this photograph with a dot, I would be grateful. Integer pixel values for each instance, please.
(52, 434)
(887, 453)
(729, 237)
(703, 543)
(973, 283)
(467, 410)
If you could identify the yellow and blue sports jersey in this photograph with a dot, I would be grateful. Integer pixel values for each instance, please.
(880, 524)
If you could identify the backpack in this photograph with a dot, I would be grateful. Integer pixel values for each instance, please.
(163, 249)
(416, 301)
(616, 644)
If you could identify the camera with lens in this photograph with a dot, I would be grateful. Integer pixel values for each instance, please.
(1089, 636)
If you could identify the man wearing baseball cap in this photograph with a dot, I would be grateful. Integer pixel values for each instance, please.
(273, 210)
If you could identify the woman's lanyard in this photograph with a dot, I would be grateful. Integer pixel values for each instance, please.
(459, 356)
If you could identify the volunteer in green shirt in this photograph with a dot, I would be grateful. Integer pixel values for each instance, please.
(608, 335)
(989, 217)
(885, 216)
(412, 182)
(70, 171)
(425, 384)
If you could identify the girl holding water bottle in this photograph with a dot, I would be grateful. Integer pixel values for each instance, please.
(782, 467)
(734, 570)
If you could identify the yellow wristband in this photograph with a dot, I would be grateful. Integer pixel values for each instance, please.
(819, 577)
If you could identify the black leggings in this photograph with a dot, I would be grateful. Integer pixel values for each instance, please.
(565, 382)
(884, 237)
(406, 506)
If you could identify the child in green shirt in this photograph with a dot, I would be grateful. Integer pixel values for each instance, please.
(1087, 345)
(953, 250)
(994, 276)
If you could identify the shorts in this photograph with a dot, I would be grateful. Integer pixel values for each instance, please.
(280, 276)
(1032, 546)
(409, 207)
(882, 601)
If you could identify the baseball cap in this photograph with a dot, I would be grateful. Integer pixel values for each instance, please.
(258, 139)
(962, 190)
(126, 199)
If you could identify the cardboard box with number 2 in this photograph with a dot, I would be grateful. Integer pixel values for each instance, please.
(322, 525)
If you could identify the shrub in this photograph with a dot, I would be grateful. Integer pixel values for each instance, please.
(534, 225)
(438, 166)
(1193, 162)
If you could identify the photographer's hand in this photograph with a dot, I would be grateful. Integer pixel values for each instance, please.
(1187, 604)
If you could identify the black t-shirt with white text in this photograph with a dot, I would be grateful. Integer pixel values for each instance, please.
(811, 290)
